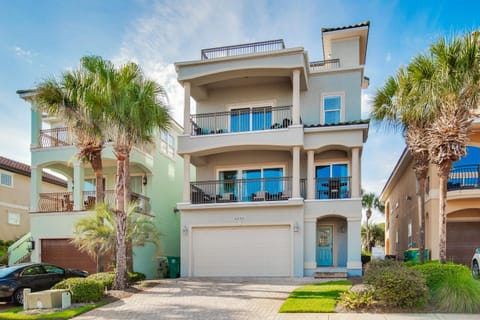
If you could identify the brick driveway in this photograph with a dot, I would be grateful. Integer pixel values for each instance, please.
(202, 299)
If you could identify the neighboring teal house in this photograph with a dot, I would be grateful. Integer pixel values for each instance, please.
(156, 182)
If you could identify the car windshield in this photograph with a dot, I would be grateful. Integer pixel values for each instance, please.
(6, 271)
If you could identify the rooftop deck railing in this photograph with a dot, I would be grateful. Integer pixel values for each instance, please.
(241, 120)
(464, 177)
(325, 65)
(240, 49)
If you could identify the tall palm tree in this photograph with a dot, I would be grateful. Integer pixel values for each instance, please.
(136, 110)
(370, 201)
(398, 105)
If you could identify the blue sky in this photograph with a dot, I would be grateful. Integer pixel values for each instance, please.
(40, 39)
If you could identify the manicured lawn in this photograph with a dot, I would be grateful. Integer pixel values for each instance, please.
(59, 315)
(319, 297)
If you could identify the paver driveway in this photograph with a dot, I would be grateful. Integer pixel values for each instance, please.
(202, 299)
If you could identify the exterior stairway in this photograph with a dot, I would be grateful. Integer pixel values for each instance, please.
(20, 250)
(330, 273)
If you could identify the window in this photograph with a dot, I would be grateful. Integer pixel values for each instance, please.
(53, 269)
(167, 143)
(6, 179)
(333, 181)
(13, 218)
(250, 119)
(332, 108)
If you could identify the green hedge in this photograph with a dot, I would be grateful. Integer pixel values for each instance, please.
(107, 278)
(82, 289)
(395, 284)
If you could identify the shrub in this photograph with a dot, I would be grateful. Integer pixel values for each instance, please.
(452, 287)
(82, 289)
(359, 298)
(135, 277)
(105, 278)
(395, 284)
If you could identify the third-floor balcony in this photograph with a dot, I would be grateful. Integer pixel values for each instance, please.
(464, 177)
(241, 120)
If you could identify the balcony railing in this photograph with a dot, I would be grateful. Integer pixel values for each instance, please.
(240, 49)
(333, 188)
(464, 177)
(241, 120)
(241, 190)
(58, 137)
(325, 65)
(63, 201)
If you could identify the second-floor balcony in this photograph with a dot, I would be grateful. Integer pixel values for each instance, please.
(265, 189)
(241, 120)
(464, 177)
(63, 201)
(57, 137)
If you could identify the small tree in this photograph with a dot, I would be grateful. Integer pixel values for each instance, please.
(370, 201)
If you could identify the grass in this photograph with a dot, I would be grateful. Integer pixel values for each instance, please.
(58, 315)
(319, 297)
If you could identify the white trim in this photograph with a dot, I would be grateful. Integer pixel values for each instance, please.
(14, 206)
(324, 95)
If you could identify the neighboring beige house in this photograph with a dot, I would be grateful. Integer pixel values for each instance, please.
(276, 140)
(15, 197)
(463, 207)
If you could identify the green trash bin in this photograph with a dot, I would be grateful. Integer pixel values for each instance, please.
(412, 255)
(174, 267)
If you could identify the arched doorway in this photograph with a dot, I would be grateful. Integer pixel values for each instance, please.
(331, 242)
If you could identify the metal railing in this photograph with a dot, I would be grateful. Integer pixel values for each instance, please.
(55, 202)
(240, 49)
(63, 201)
(241, 190)
(333, 188)
(464, 177)
(58, 137)
(241, 120)
(325, 65)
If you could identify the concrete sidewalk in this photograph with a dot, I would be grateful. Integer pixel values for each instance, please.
(212, 299)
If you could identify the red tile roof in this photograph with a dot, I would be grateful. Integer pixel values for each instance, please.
(24, 169)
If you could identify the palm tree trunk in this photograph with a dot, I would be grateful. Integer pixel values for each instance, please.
(128, 197)
(421, 219)
(121, 223)
(442, 223)
(97, 166)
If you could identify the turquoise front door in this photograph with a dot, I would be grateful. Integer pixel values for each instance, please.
(325, 246)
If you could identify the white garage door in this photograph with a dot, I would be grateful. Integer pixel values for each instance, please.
(241, 251)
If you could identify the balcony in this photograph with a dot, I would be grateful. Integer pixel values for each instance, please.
(241, 49)
(57, 137)
(241, 120)
(325, 65)
(63, 201)
(464, 177)
(241, 190)
(333, 188)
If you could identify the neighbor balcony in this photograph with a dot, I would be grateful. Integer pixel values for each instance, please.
(63, 201)
(242, 49)
(57, 137)
(464, 177)
(325, 65)
(241, 120)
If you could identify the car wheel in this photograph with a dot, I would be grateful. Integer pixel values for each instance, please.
(18, 297)
(475, 270)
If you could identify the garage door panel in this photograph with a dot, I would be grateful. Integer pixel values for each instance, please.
(242, 251)
(462, 239)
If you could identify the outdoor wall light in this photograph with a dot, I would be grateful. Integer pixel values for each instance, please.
(30, 245)
(144, 180)
(185, 229)
(296, 227)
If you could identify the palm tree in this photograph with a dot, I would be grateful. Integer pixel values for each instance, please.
(135, 111)
(370, 201)
(397, 105)
(94, 238)
(70, 99)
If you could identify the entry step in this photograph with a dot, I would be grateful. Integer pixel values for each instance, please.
(336, 274)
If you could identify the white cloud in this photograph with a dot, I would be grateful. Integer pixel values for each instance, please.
(366, 104)
(388, 57)
(24, 54)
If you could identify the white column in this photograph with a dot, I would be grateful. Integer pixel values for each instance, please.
(35, 187)
(36, 121)
(355, 172)
(78, 178)
(310, 175)
(186, 108)
(354, 250)
(186, 178)
(296, 173)
(310, 244)
(296, 97)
